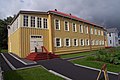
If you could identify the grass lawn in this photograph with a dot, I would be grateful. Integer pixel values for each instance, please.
(97, 64)
(77, 54)
(37, 73)
(4, 50)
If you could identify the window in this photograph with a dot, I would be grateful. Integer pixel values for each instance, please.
(74, 27)
(25, 20)
(67, 42)
(45, 26)
(92, 42)
(102, 33)
(57, 24)
(91, 30)
(32, 21)
(66, 25)
(81, 42)
(75, 42)
(98, 32)
(81, 29)
(57, 42)
(87, 42)
(109, 34)
(102, 42)
(110, 41)
(86, 29)
(39, 22)
(95, 31)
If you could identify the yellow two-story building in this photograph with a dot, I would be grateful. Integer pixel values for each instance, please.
(59, 32)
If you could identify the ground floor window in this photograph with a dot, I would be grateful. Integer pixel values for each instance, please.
(67, 42)
(87, 42)
(82, 42)
(58, 42)
(75, 42)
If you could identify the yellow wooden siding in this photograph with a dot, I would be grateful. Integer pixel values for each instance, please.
(14, 39)
(25, 38)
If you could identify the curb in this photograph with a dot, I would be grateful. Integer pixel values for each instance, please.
(12, 67)
(95, 69)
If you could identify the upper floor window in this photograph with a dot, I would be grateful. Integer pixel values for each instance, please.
(25, 20)
(109, 34)
(81, 29)
(102, 33)
(57, 24)
(75, 42)
(98, 32)
(74, 27)
(66, 25)
(95, 31)
(92, 42)
(67, 42)
(58, 42)
(86, 28)
(45, 26)
(32, 21)
(91, 30)
(39, 22)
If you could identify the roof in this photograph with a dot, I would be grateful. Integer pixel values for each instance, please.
(56, 13)
(112, 30)
(73, 17)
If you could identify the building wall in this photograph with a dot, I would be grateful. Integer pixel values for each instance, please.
(20, 38)
(70, 34)
(113, 38)
(14, 44)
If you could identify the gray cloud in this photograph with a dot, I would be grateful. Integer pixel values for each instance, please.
(102, 12)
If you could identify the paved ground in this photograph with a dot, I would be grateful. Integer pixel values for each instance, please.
(71, 71)
(58, 65)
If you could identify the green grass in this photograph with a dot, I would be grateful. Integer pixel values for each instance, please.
(37, 73)
(4, 50)
(97, 64)
(77, 54)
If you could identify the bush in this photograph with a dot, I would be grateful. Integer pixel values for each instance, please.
(111, 55)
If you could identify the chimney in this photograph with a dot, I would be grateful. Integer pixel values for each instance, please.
(55, 9)
(70, 14)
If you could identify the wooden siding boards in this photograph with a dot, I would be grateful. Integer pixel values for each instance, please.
(20, 39)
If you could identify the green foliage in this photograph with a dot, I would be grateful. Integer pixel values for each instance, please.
(4, 32)
(111, 55)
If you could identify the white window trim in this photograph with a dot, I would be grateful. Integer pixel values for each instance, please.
(68, 26)
(83, 42)
(65, 42)
(75, 27)
(73, 42)
(55, 24)
(81, 28)
(43, 23)
(60, 42)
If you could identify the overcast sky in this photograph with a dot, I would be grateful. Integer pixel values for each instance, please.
(102, 12)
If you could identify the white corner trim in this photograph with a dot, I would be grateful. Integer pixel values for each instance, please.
(66, 78)
(8, 62)
(95, 69)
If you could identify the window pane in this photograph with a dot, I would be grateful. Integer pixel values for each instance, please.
(25, 20)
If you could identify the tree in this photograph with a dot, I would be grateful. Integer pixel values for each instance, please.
(4, 32)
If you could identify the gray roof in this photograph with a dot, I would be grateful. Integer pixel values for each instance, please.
(112, 30)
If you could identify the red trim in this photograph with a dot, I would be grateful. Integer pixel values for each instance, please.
(74, 17)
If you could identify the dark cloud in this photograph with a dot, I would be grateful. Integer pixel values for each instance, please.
(102, 12)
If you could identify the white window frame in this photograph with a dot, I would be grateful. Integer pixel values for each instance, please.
(32, 21)
(60, 42)
(95, 31)
(25, 23)
(73, 27)
(76, 42)
(58, 24)
(81, 28)
(39, 21)
(45, 23)
(82, 42)
(65, 42)
(91, 30)
(87, 40)
(86, 28)
(65, 25)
